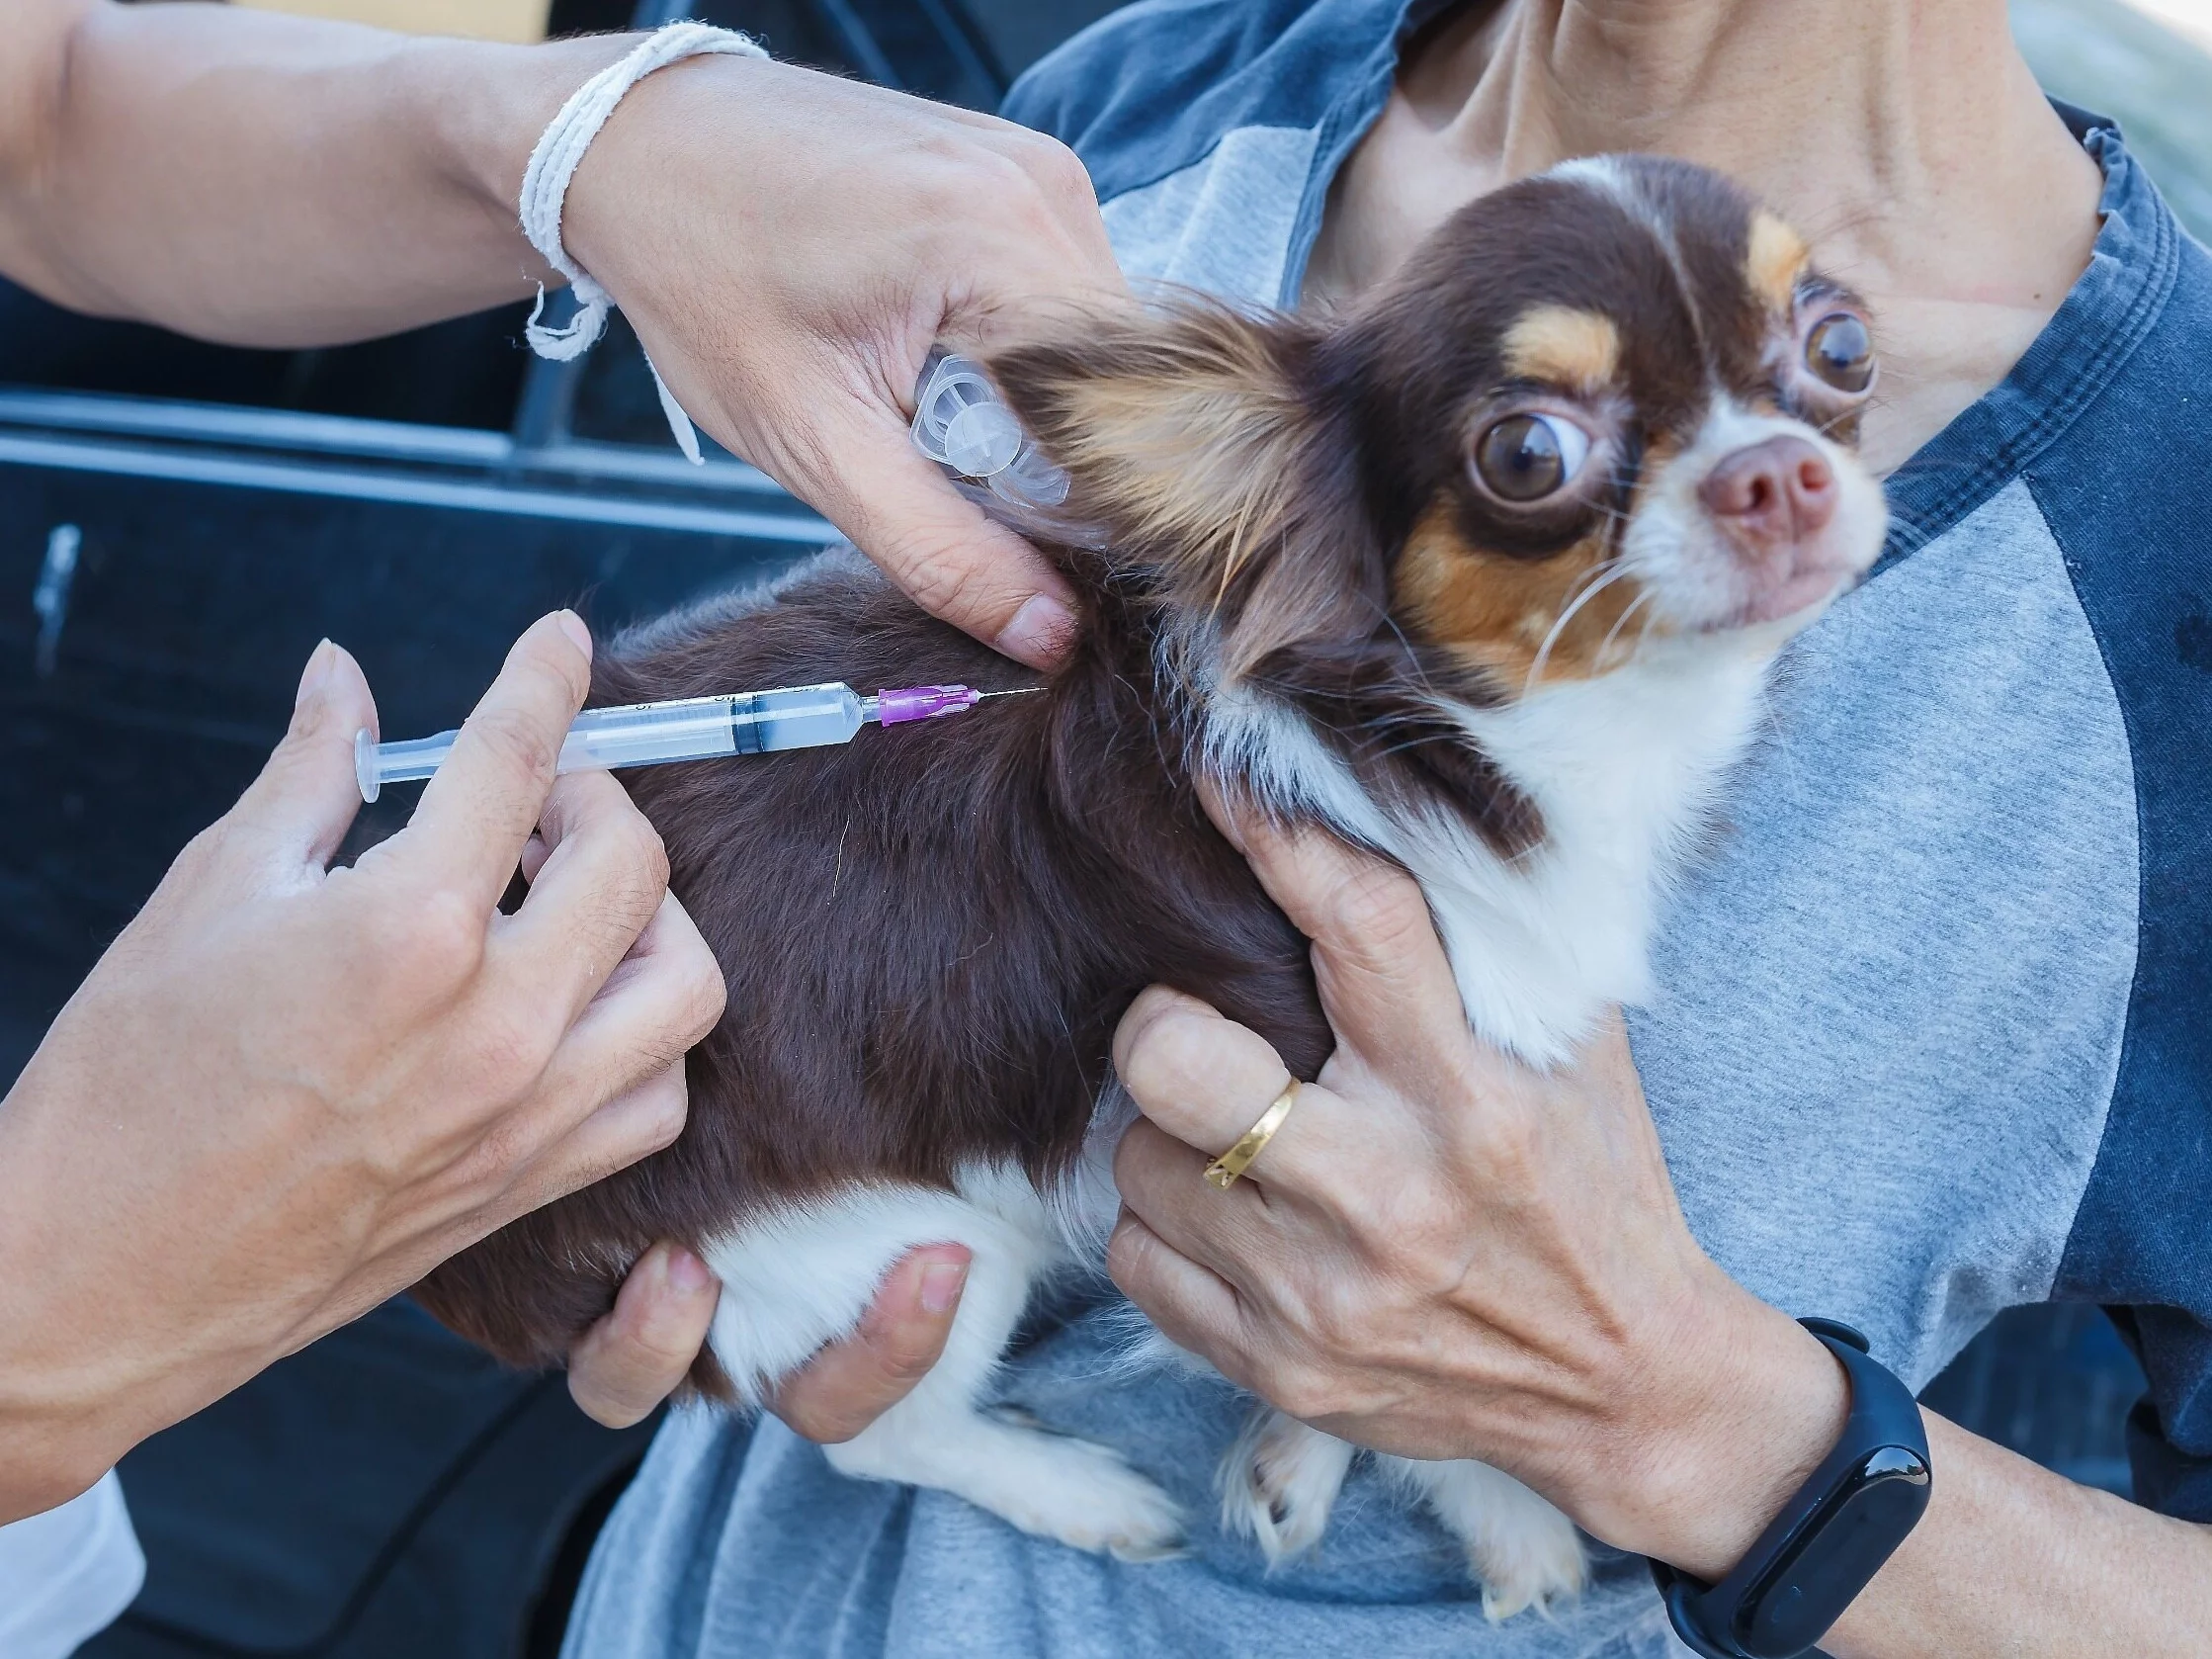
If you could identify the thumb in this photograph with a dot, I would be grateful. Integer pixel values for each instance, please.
(1385, 981)
(639, 1354)
(305, 798)
(855, 1380)
(933, 542)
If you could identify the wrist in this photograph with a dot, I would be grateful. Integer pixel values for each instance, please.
(52, 1399)
(54, 1443)
(485, 107)
(1739, 1413)
(613, 224)
(108, 1332)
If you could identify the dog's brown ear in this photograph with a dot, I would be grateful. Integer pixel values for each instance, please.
(1193, 435)
(1180, 426)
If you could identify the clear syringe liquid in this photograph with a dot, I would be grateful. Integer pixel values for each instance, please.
(689, 729)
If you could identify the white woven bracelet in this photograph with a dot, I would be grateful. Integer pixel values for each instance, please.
(544, 191)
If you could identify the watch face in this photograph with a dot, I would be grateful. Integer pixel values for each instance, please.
(1838, 1548)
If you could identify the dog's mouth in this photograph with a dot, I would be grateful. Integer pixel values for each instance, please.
(1791, 606)
(1757, 528)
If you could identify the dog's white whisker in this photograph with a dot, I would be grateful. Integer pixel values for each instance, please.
(1613, 572)
(1613, 633)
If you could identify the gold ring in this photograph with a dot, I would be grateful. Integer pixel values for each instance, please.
(1225, 1171)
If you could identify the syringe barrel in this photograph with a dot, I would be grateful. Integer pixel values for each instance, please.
(406, 761)
(696, 729)
(639, 735)
(797, 716)
(705, 727)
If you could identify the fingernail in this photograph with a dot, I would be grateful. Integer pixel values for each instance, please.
(572, 625)
(1040, 632)
(687, 1275)
(317, 675)
(941, 1285)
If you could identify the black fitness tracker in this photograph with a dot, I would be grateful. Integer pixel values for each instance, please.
(1819, 1553)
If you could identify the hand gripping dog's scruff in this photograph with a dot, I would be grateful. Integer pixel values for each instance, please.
(1485, 574)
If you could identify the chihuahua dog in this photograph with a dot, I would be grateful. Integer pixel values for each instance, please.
(1485, 574)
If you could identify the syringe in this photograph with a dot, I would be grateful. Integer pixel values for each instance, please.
(692, 729)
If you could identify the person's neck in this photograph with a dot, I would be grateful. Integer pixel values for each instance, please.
(1908, 140)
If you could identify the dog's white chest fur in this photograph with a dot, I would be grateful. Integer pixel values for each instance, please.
(1623, 769)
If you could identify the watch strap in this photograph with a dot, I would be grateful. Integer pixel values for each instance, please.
(1829, 1540)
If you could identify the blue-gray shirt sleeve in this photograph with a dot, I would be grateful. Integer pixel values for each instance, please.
(2128, 494)
(1152, 88)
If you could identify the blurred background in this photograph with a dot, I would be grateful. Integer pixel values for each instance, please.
(179, 524)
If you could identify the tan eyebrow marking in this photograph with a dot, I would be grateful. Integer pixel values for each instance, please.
(1773, 259)
(1563, 347)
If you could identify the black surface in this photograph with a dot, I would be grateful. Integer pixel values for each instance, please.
(387, 1491)
(461, 373)
(192, 610)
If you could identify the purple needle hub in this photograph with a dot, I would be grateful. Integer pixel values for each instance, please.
(924, 702)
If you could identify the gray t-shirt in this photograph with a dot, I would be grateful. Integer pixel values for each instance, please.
(1930, 1034)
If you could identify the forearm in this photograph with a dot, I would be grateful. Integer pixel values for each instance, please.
(50, 1446)
(268, 180)
(2012, 1559)
(76, 1391)
(2008, 1559)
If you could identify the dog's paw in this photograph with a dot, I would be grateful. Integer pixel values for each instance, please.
(1537, 1561)
(1080, 1494)
(1524, 1552)
(1279, 1482)
(1098, 1502)
(1047, 1484)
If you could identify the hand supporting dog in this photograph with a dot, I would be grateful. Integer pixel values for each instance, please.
(641, 1352)
(1317, 1284)
(1445, 1255)
(1316, 1288)
(2009, 1551)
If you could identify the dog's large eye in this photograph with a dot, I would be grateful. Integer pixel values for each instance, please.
(1840, 351)
(1527, 457)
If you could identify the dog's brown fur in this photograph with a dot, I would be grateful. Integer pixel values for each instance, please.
(928, 934)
